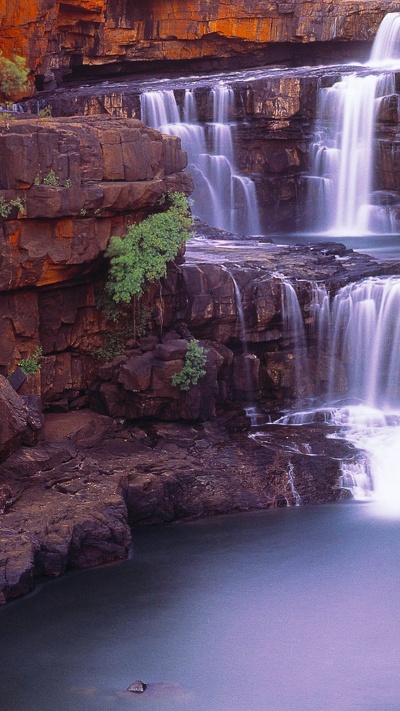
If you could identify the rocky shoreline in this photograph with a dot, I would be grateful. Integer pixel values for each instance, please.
(70, 502)
(71, 492)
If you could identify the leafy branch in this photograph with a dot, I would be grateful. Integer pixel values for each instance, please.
(143, 254)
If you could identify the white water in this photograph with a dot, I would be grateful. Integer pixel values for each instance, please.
(361, 330)
(341, 187)
(386, 47)
(248, 359)
(293, 331)
(222, 197)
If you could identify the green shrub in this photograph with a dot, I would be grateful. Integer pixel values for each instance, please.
(51, 178)
(13, 75)
(32, 364)
(142, 255)
(193, 368)
(45, 113)
(113, 345)
(7, 207)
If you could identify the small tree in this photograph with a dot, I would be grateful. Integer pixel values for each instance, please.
(13, 76)
(143, 254)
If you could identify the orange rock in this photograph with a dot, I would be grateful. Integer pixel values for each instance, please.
(56, 36)
(79, 184)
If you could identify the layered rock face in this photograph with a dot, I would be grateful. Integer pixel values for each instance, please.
(65, 188)
(240, 318)
(273, 116)
(57, 37)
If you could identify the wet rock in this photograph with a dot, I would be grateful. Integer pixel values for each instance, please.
(69, 502)
(138, 687)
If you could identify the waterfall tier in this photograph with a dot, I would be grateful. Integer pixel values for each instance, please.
(222, 197)
(360, 329)
(386, 46)
(341, 188)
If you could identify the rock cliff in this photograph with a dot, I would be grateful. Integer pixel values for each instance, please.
(65, 188)
(74, 35)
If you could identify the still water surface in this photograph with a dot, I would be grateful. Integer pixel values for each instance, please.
(284, 610)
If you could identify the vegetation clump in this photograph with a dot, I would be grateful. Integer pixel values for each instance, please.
(193, 368)
(13, 76)
(32, 364)
(6, 207)
(142, 255)
(51, 178)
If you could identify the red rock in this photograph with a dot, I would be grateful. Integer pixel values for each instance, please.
(97, 33)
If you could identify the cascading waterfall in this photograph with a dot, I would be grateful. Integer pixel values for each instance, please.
(222, 197)
(250, 409)
(341, 199)
(361, 330)
(386, 47)
(293, 330)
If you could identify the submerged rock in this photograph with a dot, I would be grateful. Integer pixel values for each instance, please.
(138, 687)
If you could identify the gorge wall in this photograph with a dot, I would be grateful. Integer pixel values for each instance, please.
(109, 35)
(272, 118)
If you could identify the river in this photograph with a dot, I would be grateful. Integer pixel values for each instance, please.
(283, 610)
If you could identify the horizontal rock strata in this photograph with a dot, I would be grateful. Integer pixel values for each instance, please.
(59, 37)
(65, 189)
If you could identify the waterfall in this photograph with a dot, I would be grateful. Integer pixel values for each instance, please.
(366, 337)
(387, 41)
(222, 197)
(248, 358)
(340, 192)
(360, 329)
(293, 330)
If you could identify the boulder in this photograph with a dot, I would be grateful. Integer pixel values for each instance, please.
(138, 687)
(14, 416)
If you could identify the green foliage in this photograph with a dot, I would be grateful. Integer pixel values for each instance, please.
(32, 364)
(51, 178)
(142, 255)
(126, 321)
(45, 113)
(13, 75)
(7, 207)
(193, 368)
(113, 345)
(68, 183)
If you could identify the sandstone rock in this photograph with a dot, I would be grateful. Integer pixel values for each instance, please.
(135, 374)
(13, 419)
(16, 563)
(59, 170)
(116, 33)
(171, 350)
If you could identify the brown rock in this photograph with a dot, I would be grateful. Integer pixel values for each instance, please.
(13, 419)
(171, 350)
(135, 374)
(61, 176)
